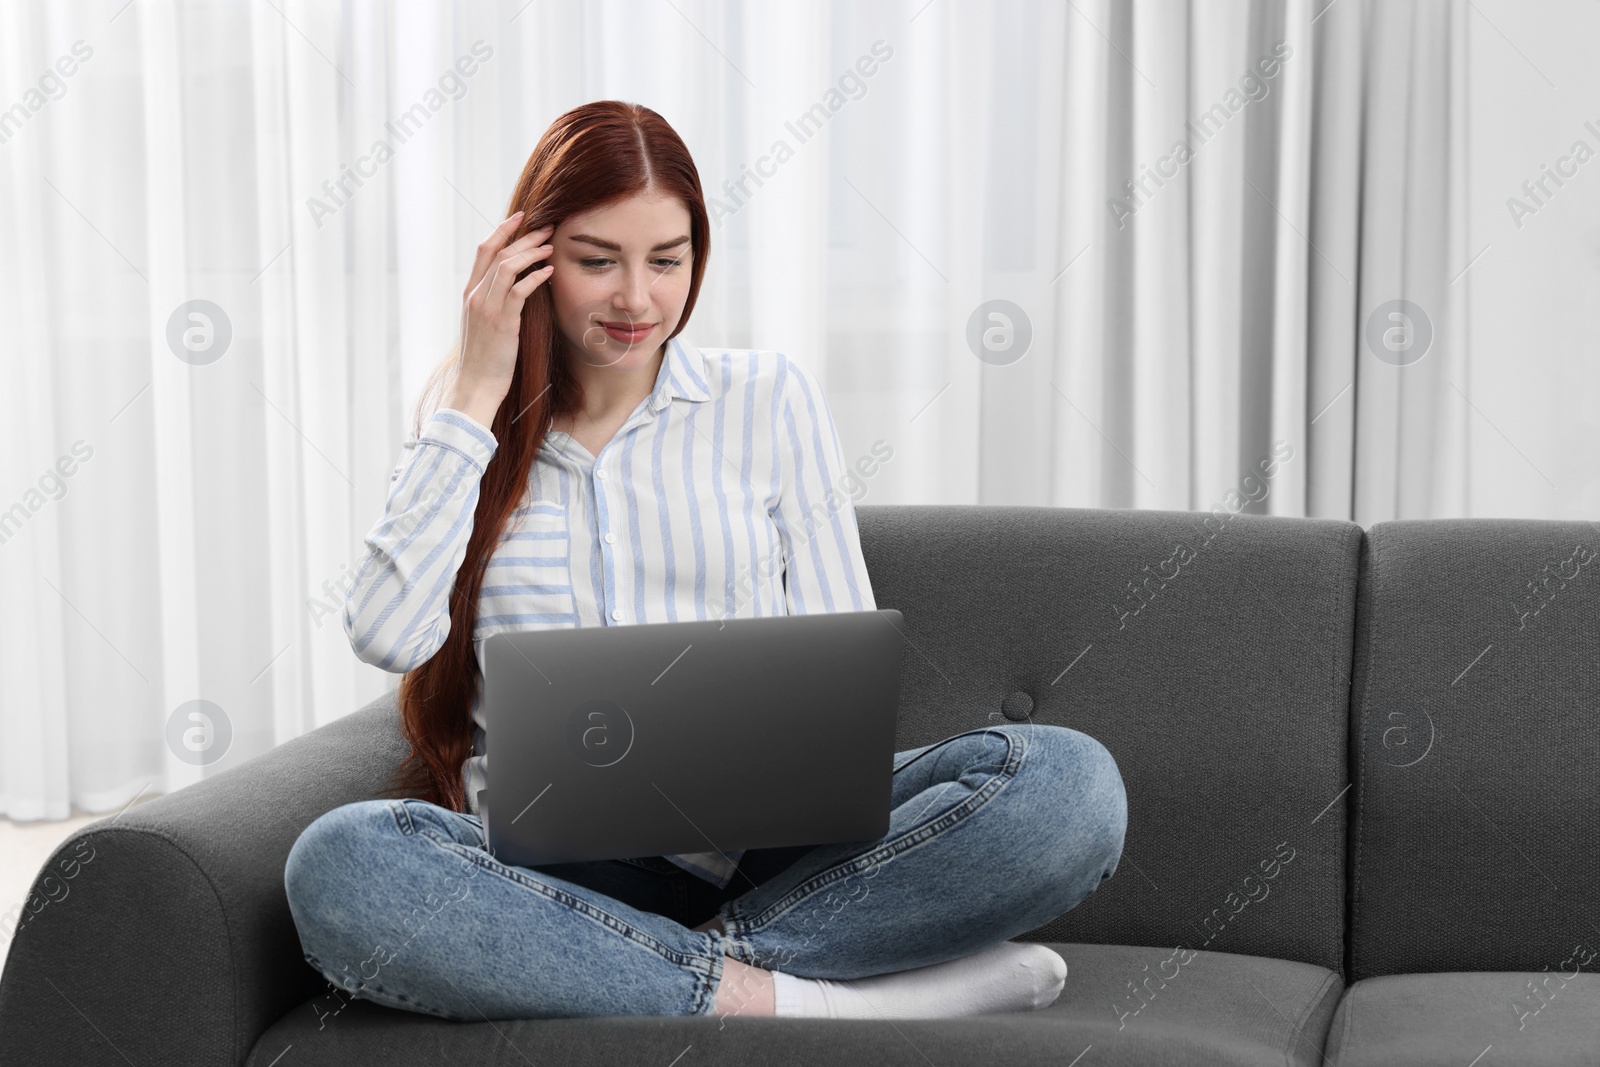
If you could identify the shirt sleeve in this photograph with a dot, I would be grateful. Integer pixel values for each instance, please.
(397, 613)
(815, 515)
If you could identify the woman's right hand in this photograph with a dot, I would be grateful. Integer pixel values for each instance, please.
(491, 316)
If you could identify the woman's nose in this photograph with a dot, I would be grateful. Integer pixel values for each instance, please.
(633, 295)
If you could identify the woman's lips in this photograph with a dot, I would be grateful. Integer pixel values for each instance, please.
(629, 336)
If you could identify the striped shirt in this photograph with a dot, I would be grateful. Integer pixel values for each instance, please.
(721, 496)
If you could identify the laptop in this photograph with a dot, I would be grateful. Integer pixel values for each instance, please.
(653, 739)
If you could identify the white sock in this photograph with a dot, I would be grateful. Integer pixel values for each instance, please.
(1004, 977)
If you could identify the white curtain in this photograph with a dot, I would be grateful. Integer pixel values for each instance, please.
(178, 517)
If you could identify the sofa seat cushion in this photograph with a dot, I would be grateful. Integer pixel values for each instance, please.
(1197, 1008)
(1538, 1020)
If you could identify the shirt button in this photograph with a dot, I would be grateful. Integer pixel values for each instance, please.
(600, 474)
(617, 614)
(611, 538)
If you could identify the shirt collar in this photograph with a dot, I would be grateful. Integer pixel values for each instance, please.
(682, 374)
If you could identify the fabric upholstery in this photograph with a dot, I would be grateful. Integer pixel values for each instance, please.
(1473, 705)
(1534, 1020)
(174, 944)
(1219, 1009)
(1224, 698)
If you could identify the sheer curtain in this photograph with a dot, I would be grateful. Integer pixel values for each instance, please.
(233, 239)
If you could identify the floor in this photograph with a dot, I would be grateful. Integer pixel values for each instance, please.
(24, 848)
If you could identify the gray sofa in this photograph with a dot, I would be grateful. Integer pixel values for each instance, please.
(1362, 809)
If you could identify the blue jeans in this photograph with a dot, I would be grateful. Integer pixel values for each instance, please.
(993, 832)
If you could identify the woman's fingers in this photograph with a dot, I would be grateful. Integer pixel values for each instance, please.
(507, 269)
(489, 246)
(531, 282)
(495, 244)
(529, 240)
(516, 248)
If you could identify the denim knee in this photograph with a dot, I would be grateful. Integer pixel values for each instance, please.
(336, 836)
(323, 871)
(1078, 778)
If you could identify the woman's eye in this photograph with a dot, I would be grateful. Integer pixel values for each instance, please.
(665, 262)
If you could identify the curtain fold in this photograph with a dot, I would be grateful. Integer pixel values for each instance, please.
(1409, 430)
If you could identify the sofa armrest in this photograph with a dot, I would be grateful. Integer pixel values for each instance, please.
(170, 941)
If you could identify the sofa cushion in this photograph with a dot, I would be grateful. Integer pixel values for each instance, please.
(1210, 655)
(1476, 681)
(1197, 1008)
(1536, 1020)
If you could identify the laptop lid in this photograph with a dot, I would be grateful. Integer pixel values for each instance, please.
(607, 742)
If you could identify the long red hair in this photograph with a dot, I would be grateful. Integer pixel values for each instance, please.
(589, 157)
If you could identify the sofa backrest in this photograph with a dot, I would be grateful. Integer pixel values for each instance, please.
(1476, 722)
(1210, 653)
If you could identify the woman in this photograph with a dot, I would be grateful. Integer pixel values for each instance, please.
(589, 468)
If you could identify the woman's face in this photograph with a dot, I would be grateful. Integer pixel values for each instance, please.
(620, 279)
